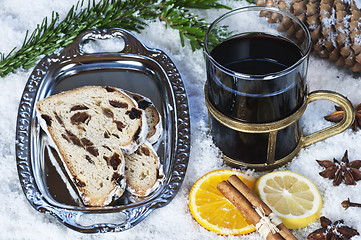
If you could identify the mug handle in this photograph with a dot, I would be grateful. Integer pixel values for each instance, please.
(339, 127)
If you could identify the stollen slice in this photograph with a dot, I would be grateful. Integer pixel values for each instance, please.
(92, 127)
(154, 120)
(143, 171)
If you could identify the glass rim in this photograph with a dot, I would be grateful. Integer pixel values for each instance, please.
(267, 76)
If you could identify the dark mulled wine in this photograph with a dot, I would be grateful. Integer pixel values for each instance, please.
(252, 82)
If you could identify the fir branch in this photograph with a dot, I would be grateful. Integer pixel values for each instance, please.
(133, 15)
(47, 37)
(249, 1)
(176, 15)
(197, 4)
(187, 23)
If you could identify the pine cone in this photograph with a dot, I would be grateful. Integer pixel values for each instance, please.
(334, 26)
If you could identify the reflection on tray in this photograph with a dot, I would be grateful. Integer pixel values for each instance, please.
(59, 186)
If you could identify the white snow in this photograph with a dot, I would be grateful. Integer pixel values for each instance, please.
(18, 219)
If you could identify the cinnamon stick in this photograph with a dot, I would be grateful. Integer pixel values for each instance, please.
(243, 205)
(255, 201)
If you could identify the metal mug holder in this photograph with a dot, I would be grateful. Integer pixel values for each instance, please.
(273, 127)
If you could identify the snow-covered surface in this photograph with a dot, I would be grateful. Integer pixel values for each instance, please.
(18, 220)
(357, 2)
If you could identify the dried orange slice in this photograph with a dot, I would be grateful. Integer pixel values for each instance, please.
(212, 210)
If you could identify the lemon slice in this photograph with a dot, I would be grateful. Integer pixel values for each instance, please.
(293, 197)
(212, 210)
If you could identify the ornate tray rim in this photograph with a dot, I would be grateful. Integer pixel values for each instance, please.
(138, 212)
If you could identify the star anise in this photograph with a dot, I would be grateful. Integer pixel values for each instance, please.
(338, 116)
(344, 170)
(332, 231)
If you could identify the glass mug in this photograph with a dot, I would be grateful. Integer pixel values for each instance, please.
(256, 90)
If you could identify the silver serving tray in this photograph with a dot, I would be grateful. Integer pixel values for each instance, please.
(136, 68)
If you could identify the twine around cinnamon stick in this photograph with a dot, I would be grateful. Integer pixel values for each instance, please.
(254, 209)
